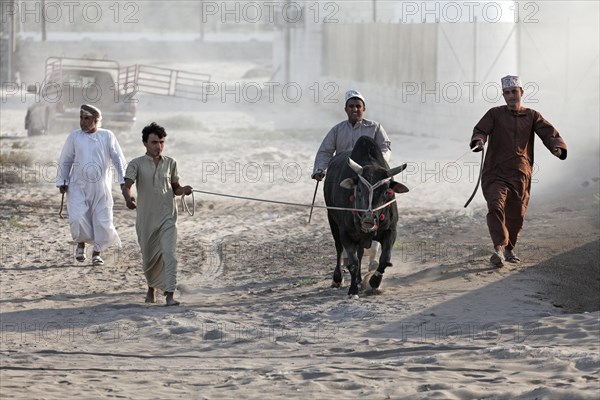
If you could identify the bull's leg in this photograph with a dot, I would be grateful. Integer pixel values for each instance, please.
(354, 269)
(387, 242)
(338, 277)
(360, 252)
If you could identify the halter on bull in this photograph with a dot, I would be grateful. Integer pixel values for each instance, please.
(362, 180)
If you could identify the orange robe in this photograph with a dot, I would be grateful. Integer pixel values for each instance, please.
(508, 166)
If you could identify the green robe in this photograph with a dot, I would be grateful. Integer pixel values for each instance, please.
(156, 221)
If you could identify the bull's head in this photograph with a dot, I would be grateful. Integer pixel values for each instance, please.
(374, 189)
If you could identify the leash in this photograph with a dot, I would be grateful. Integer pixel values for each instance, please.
(437, 173)
(193, 210)
(478, 180)
(312, 206)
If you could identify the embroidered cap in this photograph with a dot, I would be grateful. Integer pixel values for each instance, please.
(511, 81)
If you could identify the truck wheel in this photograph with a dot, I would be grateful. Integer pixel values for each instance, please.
(34, 132)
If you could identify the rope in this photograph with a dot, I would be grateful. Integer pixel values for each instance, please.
(478, 179)
(437, 173)
(192, 212)
(185, 206)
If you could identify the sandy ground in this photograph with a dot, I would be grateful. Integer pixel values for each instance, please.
(258, 317)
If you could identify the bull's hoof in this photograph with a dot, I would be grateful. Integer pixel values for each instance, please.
(338, 278)
(353, 297)
(365, 286)
(375, 281)
(353, 291)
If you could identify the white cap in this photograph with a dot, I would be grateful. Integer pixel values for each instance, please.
(90, 110)
(354, 94)
(511, 81)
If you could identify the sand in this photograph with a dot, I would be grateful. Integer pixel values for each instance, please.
(258, 317)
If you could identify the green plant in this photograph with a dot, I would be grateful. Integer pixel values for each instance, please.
(305, 282)
(15, 223)
(17, 157)
(19, 145)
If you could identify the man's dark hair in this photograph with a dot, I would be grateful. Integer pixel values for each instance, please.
(153, 128)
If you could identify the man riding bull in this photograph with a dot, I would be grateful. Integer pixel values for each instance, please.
(506, 176)
(360, 196)
(342, 137)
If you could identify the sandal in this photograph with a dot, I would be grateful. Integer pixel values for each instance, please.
(80, 254)
(497, 260)
(511, 257)
(97, 260)
(170, 300)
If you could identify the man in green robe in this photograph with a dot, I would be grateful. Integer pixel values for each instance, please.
(157, 183)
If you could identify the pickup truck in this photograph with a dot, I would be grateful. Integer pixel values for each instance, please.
(71, 82)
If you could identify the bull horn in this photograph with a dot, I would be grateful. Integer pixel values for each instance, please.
(355, 167)
(396, 170)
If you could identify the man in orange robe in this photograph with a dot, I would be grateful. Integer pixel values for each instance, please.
(508, 166)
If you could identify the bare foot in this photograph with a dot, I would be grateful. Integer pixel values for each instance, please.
(170, 300)
(150, 296)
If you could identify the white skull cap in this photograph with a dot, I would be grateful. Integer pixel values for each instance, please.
(354, 94)
(92, 111)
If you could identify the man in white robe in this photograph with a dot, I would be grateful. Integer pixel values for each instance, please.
(84, 172)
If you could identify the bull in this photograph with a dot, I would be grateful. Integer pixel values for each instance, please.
(361, 179)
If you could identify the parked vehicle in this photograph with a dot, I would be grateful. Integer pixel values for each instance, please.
(71, 82)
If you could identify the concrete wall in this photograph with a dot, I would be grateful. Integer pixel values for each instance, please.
(555, 49)
(419, 79)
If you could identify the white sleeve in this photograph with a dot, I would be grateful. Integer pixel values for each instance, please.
(384, 143)
(117, 157)
(65, 162)
(326, 151)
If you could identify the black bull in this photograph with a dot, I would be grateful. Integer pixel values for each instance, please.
(361, 179)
